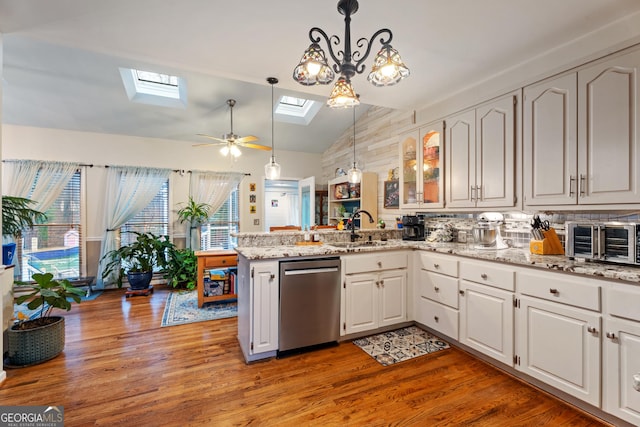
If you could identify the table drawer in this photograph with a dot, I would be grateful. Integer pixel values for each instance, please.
(439, 288)
(489, 274)
(220, 261)
(438, 317)
(438, 263)
(570, 290)
(624, 301)
(367, 263)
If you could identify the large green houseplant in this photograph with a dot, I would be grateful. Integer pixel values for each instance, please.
(138, 259)
(194, 214)
(17, 216)
(36, 340)
(182, 269)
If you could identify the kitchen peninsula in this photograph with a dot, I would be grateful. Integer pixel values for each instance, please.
(566, 326)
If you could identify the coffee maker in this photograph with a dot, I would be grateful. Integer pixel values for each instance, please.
(412, 227)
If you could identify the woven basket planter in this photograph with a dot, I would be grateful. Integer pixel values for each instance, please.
(37, 345)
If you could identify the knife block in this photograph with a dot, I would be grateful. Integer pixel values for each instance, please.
(550, 245)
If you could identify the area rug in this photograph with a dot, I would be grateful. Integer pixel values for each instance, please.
(400, 345)
(182, 307)
(32, 314)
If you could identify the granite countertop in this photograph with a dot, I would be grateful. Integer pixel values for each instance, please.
(515, 256)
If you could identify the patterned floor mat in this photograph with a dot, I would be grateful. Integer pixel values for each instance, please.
(400, 345)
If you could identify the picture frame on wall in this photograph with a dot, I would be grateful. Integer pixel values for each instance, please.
(391, 194)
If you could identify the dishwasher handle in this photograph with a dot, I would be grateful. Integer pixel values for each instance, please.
(311, 271)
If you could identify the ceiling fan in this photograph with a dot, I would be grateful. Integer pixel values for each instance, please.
(230, 141)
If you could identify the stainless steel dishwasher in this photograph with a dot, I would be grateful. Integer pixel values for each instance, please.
(309, 303)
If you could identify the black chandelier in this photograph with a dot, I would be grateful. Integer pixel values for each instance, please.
(388, 68)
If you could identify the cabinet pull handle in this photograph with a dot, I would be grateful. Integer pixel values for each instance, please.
(435, 288)
(572, 180)
(436, 265)
(554, 291)
(436, 318)
(484, 276)
(592, 330)
(479, 192)
(461, 292)
(611, 335)
(582, 184)
(473, 187)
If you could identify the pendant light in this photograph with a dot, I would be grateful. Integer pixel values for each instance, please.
(355, 174)
(272, 169)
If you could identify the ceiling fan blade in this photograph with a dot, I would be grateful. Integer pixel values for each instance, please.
(248, 138)
(258, 146)
(209, 144)
(212, 137)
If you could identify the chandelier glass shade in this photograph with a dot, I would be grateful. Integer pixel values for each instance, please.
(354, 174)
(313, 68)
(272, 169)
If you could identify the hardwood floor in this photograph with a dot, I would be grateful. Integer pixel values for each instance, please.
(120, 367)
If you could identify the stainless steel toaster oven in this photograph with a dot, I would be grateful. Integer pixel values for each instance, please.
(603, 241)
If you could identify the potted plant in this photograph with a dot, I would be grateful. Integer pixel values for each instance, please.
(42, 338)
(138, 259)
(194, 214)
(182, 269)
(17, 215)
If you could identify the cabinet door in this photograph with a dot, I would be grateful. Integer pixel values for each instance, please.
(361, 311)
(392, 286)
(265, 292)
(550, 145)
(560, 345)
(461, 160)
(608, 155)
(431, 187)
(409, 152)
(486, 320)
(621, 363)
(495, 153)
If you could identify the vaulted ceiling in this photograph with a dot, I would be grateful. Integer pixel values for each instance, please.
(61, 58)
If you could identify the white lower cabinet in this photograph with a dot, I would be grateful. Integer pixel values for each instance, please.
(258, 304)
(486, 320)
(374, 299)
(621, 353)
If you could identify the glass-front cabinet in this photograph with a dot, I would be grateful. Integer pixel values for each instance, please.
(420, 167)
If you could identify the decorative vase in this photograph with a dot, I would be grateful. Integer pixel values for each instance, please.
(36, 345)
(140, 279)
(8, 250)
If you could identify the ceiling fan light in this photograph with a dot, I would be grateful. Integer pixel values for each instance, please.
(313, 68)
(343, 95)
(354, 174)
(388, 68)
(272, 169)
(224, 150)
(235, 151)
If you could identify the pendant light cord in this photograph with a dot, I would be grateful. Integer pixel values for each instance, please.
(354, 137)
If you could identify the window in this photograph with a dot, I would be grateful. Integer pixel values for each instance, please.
(150, 87)
(153, 219)
(217, 233)
(56, 246)
(296, 110)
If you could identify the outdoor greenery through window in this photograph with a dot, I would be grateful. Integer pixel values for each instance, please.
(217, 233)
(154, 218)
(55, 247)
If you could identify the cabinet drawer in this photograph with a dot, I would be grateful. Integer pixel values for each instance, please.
(220, 261)
(366, 263)
(438, 263)
(624, 301)
(488, 274)
(576, 291)
(438, 288)
(438, 317)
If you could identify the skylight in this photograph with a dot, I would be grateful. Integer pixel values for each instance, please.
(296, 110)
(149, 87)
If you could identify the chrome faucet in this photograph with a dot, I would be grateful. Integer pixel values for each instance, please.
(355, 215)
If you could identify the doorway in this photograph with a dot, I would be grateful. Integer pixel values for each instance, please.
(289, 202)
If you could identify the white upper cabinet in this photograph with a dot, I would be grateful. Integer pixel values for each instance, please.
(480, 153)
(421, 166)
(580, 136)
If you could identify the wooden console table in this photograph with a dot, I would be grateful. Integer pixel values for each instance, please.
(211, 260)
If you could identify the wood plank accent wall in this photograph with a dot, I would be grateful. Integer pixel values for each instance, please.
(377, 135)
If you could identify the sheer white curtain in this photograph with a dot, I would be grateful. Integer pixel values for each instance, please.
(212, 188)
(129, 190)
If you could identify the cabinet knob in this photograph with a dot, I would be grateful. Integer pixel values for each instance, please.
(435, 288)
(554, 291)
(436, 265)
(436, 318)
(461, 292)
(377, 283)
(592, 330)
(382, 283)
(272, 276)
(484, 276)
(611, 335)
(224, 261)
(380, 264)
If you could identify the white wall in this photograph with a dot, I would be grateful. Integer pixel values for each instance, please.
(19, 142)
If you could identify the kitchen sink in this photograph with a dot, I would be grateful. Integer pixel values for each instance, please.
(366, 243)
